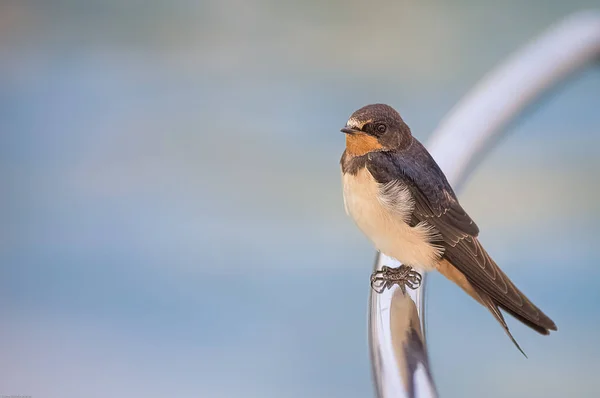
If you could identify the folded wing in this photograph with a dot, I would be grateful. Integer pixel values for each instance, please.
(437, 205)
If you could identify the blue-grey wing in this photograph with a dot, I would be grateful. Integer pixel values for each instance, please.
(436, 204)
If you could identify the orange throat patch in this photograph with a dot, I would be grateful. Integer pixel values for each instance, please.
(361, 144)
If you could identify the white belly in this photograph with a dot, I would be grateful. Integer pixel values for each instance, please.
(386, 225)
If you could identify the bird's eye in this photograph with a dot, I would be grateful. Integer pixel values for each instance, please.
(381, 128)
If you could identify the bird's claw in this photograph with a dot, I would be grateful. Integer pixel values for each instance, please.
(402, 276)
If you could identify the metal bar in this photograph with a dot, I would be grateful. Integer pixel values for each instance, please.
(396, 321)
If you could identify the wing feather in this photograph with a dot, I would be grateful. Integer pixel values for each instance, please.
(437, 205)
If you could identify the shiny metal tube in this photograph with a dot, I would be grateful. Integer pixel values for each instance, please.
(396, 321)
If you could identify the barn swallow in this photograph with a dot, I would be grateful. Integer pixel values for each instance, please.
(401, 200)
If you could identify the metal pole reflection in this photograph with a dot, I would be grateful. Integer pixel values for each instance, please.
(396, 321)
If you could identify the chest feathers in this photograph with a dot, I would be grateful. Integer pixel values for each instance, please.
(382, 213)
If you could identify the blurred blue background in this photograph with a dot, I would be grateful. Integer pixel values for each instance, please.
(172, 219)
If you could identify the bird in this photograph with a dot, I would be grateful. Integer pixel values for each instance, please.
(401, 200)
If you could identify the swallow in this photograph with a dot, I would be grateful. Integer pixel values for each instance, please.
(401, 200)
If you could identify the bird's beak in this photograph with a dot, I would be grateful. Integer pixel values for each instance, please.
(347, 130)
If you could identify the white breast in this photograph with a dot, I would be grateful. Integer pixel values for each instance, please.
(384, 221)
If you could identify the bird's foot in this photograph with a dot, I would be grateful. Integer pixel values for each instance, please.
(402, 276)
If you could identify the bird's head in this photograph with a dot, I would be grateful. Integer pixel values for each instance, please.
(376, 127)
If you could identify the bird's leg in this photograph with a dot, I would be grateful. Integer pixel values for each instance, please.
(402, 276)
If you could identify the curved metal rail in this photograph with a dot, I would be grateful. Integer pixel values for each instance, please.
(396, 321)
